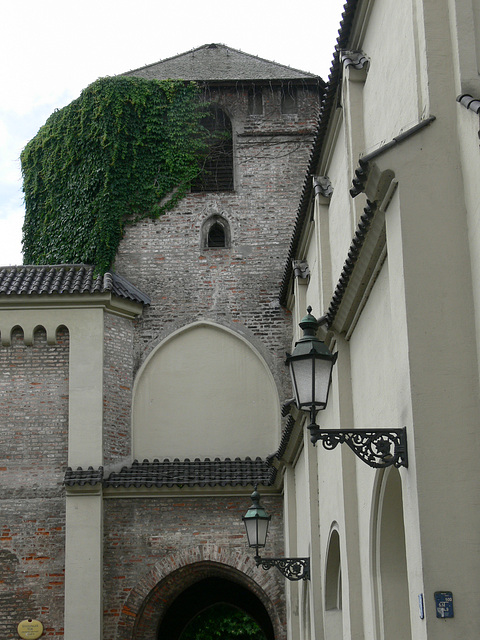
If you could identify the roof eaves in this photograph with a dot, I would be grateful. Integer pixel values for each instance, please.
(179, 473)
(327, 107)
(469, 102)
(65, 280)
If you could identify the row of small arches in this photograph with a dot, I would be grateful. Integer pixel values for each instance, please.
(29, 335)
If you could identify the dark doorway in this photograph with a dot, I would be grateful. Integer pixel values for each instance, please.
(205, 594)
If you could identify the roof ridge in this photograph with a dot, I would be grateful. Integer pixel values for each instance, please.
(309, 74)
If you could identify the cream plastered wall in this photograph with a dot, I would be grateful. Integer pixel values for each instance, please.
(303, 544)
(392, 65)
(381, 399)
(205, 391)
(469, 127)
(340, 217)
(413, 355)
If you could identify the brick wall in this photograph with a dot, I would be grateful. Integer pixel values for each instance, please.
(117, 384)
(237, 287)
(141, 533)
(33, 457)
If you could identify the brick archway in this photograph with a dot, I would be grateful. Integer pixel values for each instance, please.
(154, 593)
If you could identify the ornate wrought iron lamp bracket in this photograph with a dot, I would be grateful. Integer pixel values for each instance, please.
(379, 448)
(290, 568)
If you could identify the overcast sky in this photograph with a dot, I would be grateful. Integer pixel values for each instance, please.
(51, 50)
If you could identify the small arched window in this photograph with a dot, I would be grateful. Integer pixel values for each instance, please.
(216, 236)
(215, 233)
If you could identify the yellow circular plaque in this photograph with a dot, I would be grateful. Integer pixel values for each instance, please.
(30, 629)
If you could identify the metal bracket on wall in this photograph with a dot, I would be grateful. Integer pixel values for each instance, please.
(379, 448)
(291, 568)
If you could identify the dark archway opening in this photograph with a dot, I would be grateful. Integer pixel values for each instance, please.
(205, 594)
(216, 236)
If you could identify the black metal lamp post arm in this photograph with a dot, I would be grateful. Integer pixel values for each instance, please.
(379, 448)
(290, 568)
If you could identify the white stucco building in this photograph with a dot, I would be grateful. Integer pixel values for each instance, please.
(386, 247)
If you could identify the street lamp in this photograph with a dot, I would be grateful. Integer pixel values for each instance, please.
(256, 522)
(311, 365)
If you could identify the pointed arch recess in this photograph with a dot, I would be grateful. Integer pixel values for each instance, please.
(148, 602)
(215, 232)
(333, 573)
(389, 558)
(204, 391)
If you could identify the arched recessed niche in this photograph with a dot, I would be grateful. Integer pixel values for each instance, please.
(333, 574)
(215, 233)
(391, 590)
(205, 392)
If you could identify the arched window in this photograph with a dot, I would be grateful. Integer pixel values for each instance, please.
(333, 575)
(217, 169)
(215, 233)
(333, 589)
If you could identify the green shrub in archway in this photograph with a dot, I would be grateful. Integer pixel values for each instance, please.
(223, 622)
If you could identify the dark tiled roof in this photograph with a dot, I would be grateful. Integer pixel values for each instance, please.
(219, 63)
(328, 106)
(286, 435)
(65, 279)
(82, 477)
(179, 473)
(356, 59)
(322, 186)
(469, 102)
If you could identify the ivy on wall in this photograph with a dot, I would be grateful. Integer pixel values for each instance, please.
(126, 149)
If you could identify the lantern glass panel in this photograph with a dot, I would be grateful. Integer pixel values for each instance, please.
(257, 529)
(311, 380)
(323, 372)
(301, 372)
(262, 531)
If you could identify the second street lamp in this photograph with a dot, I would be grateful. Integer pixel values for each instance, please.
(256, 522)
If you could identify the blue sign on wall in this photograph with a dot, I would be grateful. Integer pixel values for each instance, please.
(444, 604)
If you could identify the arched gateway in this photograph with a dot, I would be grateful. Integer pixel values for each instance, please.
(179, 587)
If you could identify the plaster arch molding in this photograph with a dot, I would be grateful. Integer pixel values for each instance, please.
(149, 600)
(205, 391)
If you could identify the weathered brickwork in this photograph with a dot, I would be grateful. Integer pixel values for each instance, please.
(141, 533)
(33, 457)
(117, 384)
(34, 414)
(236, 286)
(32, 559)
